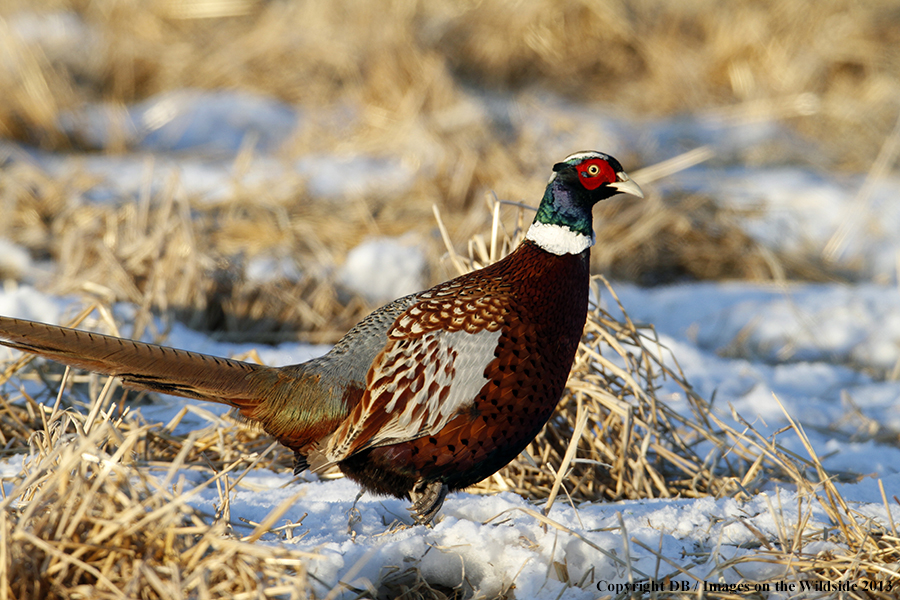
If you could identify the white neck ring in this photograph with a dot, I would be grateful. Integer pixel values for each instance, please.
(558, 239)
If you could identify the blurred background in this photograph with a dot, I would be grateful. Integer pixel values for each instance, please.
(267, 169)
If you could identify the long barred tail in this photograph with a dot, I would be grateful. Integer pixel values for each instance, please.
(142, 366)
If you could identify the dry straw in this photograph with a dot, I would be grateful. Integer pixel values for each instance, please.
(403, 73)
(831, 73)
(85, 518)
(84, 522)
(98, 511)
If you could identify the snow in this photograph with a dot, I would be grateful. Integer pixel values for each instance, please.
(61, 34)
(342, 176)
(796, 209)
(857, 325)
(214, 144)
(266, 268)
(15, 262)
(23, 302)
(381, 269)
(186, 120)
(828, 352)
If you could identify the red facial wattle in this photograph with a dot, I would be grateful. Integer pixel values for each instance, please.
(594, 173)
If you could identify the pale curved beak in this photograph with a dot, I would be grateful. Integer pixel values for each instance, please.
(626, 186)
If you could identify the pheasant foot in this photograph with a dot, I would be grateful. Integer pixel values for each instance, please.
(427, 499)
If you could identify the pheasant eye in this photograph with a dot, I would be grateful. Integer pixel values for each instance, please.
(593, 170)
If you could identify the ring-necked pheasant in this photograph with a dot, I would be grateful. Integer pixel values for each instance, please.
(431, 393)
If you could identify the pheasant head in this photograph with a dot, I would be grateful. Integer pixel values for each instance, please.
(563, 224)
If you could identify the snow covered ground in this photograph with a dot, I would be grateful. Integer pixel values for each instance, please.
(829, 352)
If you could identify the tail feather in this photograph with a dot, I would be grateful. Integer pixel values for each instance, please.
(142, 366)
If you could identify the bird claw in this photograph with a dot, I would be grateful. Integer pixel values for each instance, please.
(353, 514)
(427, 499)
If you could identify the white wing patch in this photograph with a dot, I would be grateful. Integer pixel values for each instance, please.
(414, 388)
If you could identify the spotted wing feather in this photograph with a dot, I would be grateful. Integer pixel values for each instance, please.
(431, 368)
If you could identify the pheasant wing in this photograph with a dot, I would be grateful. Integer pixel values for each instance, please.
(431, 368)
